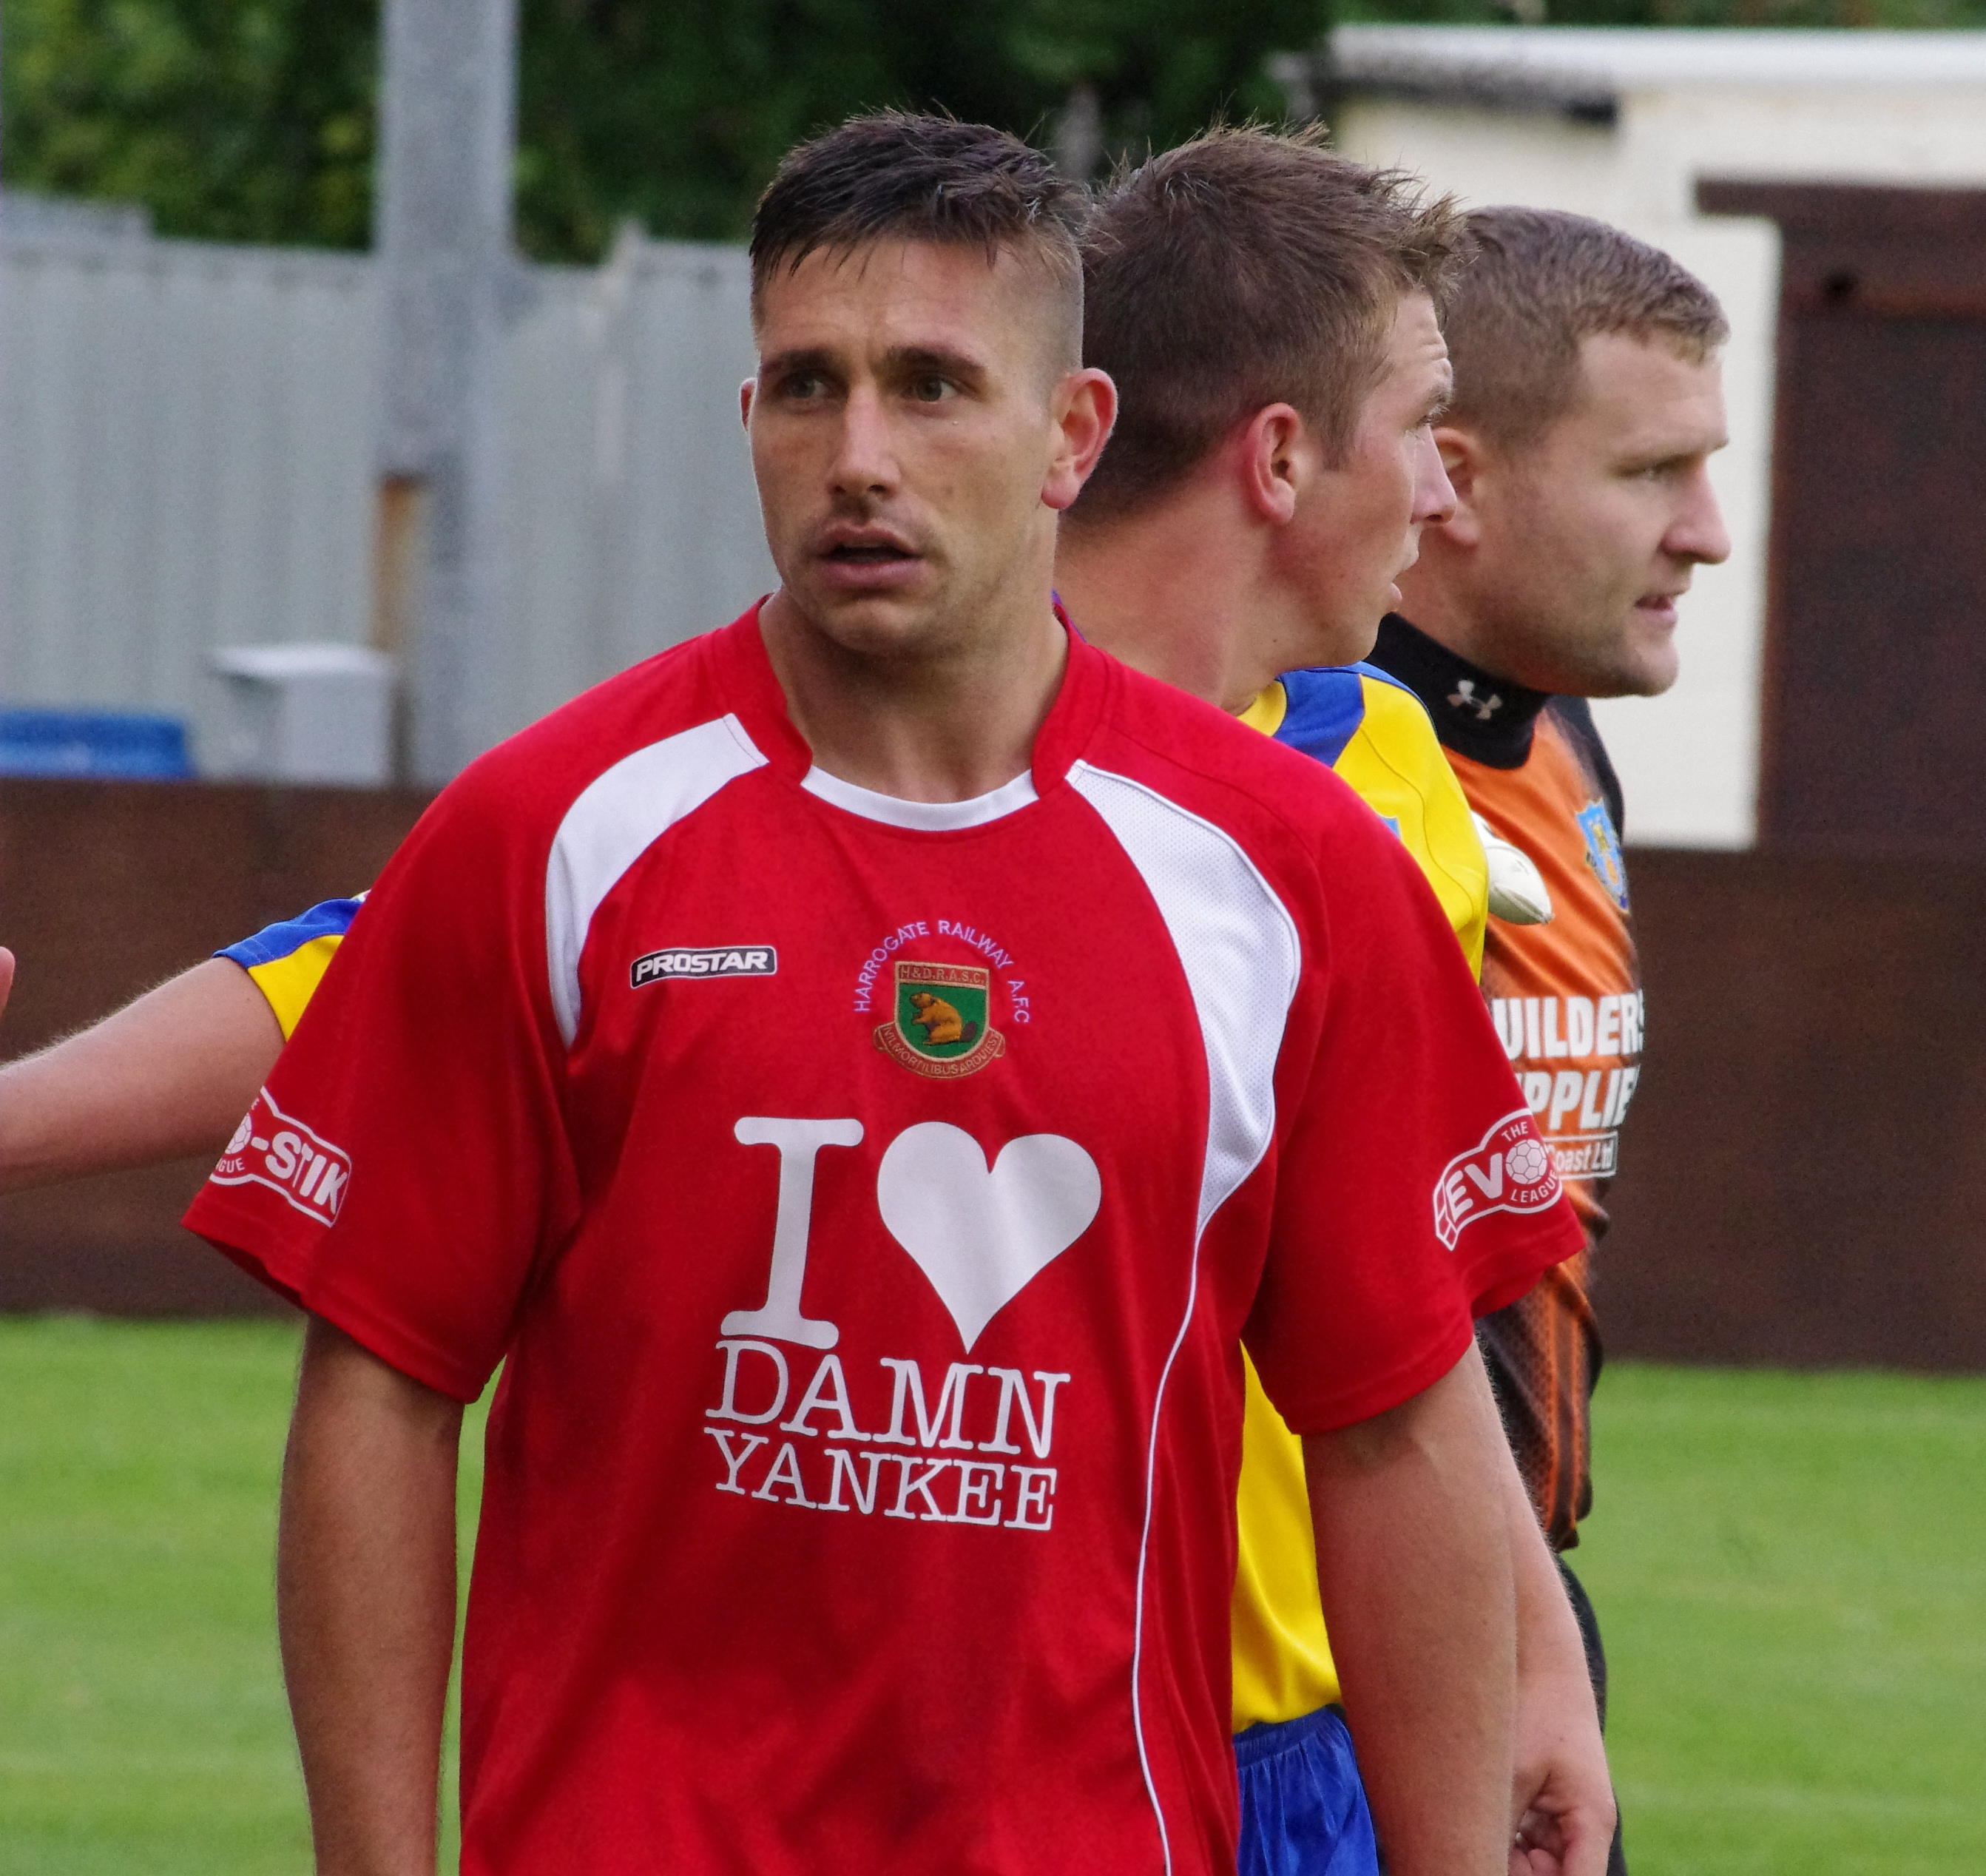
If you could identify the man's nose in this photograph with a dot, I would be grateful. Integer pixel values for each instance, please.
(1434, 494)
(1697, 533)
(865, 458)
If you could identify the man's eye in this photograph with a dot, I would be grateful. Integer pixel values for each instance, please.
(929, 390)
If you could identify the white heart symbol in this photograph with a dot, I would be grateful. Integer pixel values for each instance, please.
(981, 1236)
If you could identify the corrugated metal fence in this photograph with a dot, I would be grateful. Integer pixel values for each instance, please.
(186, 461)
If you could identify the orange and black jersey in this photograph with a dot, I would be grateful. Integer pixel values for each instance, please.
(1566, 998)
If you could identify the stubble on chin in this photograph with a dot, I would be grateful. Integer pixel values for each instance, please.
(1636, 660)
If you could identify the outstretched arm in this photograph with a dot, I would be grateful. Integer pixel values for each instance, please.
(1413, 1555)
(365, 1602)
(168, 1075)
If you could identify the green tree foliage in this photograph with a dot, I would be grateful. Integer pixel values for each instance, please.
(1903, 14)
(245, 120)
(252, 119)
(677, 114)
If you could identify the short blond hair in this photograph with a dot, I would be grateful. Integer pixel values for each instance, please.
(1541, 283)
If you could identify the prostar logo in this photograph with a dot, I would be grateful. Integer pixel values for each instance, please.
(1508, 1169)
(708, 961)
(271, 1149)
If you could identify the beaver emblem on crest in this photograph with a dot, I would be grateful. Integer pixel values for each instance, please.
(942, 1022)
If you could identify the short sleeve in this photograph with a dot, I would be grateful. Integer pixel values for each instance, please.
(406, 1168)
(286, 961)
(1413, 1193)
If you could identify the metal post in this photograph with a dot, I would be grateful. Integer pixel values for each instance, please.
(442, 234)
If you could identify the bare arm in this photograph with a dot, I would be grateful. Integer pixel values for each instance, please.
(167, 1075)
(1413, 1555)
(1563, 1798)
(366, 1600)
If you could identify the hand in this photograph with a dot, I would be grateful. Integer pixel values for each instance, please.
(1563, 1796)
(6, 977)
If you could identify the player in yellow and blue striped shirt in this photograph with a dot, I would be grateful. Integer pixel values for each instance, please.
(1375, 734)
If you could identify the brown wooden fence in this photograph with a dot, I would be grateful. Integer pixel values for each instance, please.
(1804, 1171)
(1804, 1167)
(105, 888)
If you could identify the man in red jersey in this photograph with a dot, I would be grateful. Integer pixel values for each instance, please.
(1587, 406)
(862, 1072)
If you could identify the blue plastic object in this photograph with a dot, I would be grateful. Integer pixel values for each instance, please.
(93, 743)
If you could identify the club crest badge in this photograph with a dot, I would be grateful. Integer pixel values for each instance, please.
(942, 1023)
(1603, 851)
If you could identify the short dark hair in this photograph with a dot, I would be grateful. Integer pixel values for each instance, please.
(1543, 281)
(1246, 267)
(898, 175)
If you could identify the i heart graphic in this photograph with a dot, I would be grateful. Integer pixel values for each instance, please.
(981, 1235)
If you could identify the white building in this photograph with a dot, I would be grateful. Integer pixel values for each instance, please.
(1624, 124)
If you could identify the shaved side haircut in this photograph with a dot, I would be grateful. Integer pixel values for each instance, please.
(898, 176)
(1542, 282)
(1246, 268)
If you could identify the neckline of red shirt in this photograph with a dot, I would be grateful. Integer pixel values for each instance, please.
(760, 704)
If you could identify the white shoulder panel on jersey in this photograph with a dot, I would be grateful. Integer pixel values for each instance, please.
(1238, 946)
(616, 818)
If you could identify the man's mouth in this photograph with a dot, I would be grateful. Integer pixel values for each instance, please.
(873, 553)
(860, 559)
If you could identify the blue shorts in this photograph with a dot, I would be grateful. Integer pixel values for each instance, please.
(1303, 1809)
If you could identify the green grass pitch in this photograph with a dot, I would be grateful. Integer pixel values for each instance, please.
(1791, 1570)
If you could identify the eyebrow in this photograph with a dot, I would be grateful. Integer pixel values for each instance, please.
(1640, 460)
(802, 359)
(937, 358)
(901, 359)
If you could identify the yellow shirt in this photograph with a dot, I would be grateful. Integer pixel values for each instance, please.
(1376, 735)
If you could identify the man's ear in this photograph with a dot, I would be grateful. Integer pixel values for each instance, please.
(1085, 412)
(1278, 457)
(747, 393)
(1467, 463)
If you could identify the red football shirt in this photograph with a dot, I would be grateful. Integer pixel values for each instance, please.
(866, 1199)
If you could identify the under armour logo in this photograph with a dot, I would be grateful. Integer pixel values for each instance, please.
(1464, 697)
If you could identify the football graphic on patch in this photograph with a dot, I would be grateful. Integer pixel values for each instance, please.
(1527, 1162)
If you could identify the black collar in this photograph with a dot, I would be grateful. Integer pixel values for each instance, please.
(1486, 718)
